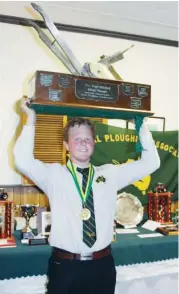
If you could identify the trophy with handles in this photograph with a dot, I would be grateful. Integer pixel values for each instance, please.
(94, 89)
(27, 211)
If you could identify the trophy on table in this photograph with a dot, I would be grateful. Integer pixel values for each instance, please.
(27, 211)
(30, 233)
(6, 221)
(175, 218)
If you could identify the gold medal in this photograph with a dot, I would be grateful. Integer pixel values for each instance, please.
(85, 214)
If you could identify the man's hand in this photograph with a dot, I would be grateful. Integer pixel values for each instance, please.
(31, 115)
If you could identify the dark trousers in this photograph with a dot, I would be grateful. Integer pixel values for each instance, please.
(78, 277)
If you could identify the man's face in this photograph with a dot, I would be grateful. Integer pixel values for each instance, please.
(80, 144)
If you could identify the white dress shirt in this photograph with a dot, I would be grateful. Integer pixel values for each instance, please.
(65, 202)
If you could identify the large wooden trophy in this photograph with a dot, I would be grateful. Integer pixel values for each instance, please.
(91, 90)
(6, 221)
(59, 93)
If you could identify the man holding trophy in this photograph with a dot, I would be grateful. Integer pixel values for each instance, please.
(82, 205)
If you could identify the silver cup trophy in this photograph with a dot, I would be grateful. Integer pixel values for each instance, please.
(27, 211)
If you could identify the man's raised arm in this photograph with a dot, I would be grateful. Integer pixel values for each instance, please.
(25, 162)
(149, 162)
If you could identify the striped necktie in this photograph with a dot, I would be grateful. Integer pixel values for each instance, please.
(89, 226)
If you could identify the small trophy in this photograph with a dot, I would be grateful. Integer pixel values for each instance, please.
(27, 211)
(175, 219)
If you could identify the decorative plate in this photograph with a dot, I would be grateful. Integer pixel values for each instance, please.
(129, 210)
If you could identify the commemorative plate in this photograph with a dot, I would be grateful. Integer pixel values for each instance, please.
(129, 210)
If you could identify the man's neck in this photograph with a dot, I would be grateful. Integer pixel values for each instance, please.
(80, 164)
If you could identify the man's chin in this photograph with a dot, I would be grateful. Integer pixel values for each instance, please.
(83, 158)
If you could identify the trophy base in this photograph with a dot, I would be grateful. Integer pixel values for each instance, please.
(8, 242)
(38, 241)
(170, 230)
(27, 235)
(35, 241)
(76, 110)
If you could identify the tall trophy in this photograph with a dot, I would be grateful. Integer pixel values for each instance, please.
(6, 221)
(91, 90)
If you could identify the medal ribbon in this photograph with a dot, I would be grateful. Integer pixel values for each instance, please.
(72, 170)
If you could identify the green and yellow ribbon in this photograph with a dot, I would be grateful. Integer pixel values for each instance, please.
(72, 169)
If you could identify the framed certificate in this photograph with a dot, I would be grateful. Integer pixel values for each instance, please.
(46, 223)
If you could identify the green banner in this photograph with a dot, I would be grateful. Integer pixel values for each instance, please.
(116, 145)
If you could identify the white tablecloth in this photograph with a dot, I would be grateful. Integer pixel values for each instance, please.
(147, 278)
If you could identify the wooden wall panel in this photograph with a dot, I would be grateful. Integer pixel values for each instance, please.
(17, 195)
(21, 195)
(48, 144)
(43, 200)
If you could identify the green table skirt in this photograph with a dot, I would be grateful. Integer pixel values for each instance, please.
(128, 249)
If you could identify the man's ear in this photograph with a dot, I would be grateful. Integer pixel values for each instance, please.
(65, 144)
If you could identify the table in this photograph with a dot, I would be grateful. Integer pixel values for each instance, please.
(128, 249)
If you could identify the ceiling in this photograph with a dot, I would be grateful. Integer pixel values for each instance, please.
(157, 19)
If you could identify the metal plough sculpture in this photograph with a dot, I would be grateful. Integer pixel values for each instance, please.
(102, 68)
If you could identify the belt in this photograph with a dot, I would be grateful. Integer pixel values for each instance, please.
(60, 253)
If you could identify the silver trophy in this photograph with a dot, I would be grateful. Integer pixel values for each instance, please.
(175, 219)
(27, 211)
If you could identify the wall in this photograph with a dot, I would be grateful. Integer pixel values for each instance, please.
(22, 53)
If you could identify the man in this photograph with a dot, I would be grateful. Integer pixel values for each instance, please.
(82, 199)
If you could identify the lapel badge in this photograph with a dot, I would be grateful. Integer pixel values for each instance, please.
(100, 179)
